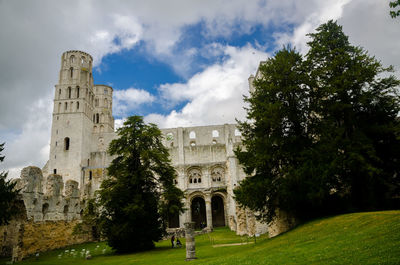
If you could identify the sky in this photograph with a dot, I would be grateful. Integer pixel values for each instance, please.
(177, 62)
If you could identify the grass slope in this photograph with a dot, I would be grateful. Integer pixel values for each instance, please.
(359, 238)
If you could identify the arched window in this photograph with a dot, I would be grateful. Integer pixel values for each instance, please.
(69, 92)
(55, 171)
(101, 128)
(59, 93)
(71, 70)
(72, 59)
(192, 143)
(94, 118)
(105, 91)
(192, 135)
(66, 143)
(66, 106)
(97, 118)
(59, 107)
(215, 133)
(90, 175)
(82, 60)
(77, 105)
(105, 103)
(199, 180)
(77, 92)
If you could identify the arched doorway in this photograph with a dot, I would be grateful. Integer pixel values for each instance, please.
(198, 208)
(218, 212)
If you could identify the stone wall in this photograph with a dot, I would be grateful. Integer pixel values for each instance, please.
(49, 212)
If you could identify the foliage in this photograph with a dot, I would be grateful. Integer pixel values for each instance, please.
(8, 195)
(393, 5)
(138, 197)
(360, 238)
(323, 132)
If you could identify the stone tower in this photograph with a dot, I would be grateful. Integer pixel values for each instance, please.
(73, 116)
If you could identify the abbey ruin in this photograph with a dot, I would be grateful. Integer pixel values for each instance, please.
(83, 127)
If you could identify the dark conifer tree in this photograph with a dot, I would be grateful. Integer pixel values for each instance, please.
(8, 195)
(140, 194)
(323, 132)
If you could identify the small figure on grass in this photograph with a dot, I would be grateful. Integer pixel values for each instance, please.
(173, 241)
(178, 243)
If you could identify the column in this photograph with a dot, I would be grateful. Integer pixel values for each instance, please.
(208, 211)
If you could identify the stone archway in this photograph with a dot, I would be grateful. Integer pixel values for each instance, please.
(198, 209)
(218, 211)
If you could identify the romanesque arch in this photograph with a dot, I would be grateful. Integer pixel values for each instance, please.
(217, 174)
(218, 211)
(198, 211)
(194, 176)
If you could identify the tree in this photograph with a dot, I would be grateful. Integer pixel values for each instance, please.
(140, 193)
(393, 5)
(8, 195)
(322, 134)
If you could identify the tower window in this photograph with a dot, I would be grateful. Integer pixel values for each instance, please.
(97, 118)
(77, 92)
(72, 59)
(59, 107)
(94, 118)
(82, 60)
(66, 106)
(66, 143)
(69, 92)
(71, 70)
(77, 105)
(192, 135)
(55, 171)
(59, 93)
(105, 91)
(90, 175)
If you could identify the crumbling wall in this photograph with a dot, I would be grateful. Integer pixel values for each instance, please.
(47, 218)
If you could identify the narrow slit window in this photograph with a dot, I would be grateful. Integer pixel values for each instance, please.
(66, 143)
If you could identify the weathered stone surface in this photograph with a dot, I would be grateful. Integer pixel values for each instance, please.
(31, 180)
(54, 185)
(282, 223)
(72, 189)
(190, 242)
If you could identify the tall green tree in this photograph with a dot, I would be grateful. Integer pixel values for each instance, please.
(275, 135)
(139, 196)
(357, 126)
(8, 195)
(322, 134)
(393, 12)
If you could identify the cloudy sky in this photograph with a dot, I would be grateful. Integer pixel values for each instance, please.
(177, 62)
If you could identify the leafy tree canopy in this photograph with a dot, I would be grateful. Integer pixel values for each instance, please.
(140, 195)
(8, 195)
(393, 4)
(322, 134)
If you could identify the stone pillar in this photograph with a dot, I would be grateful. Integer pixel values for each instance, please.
(208, 211)
(190, 244)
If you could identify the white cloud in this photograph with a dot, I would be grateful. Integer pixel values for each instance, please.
(322, 12)
(124, 101)
(215, 94)
(36, 33)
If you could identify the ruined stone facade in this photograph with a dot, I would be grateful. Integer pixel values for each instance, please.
(203, 156)
(82, 128)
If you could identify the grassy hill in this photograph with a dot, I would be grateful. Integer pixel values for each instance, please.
(359, 238)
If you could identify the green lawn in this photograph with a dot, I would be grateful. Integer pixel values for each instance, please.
(360, 238)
